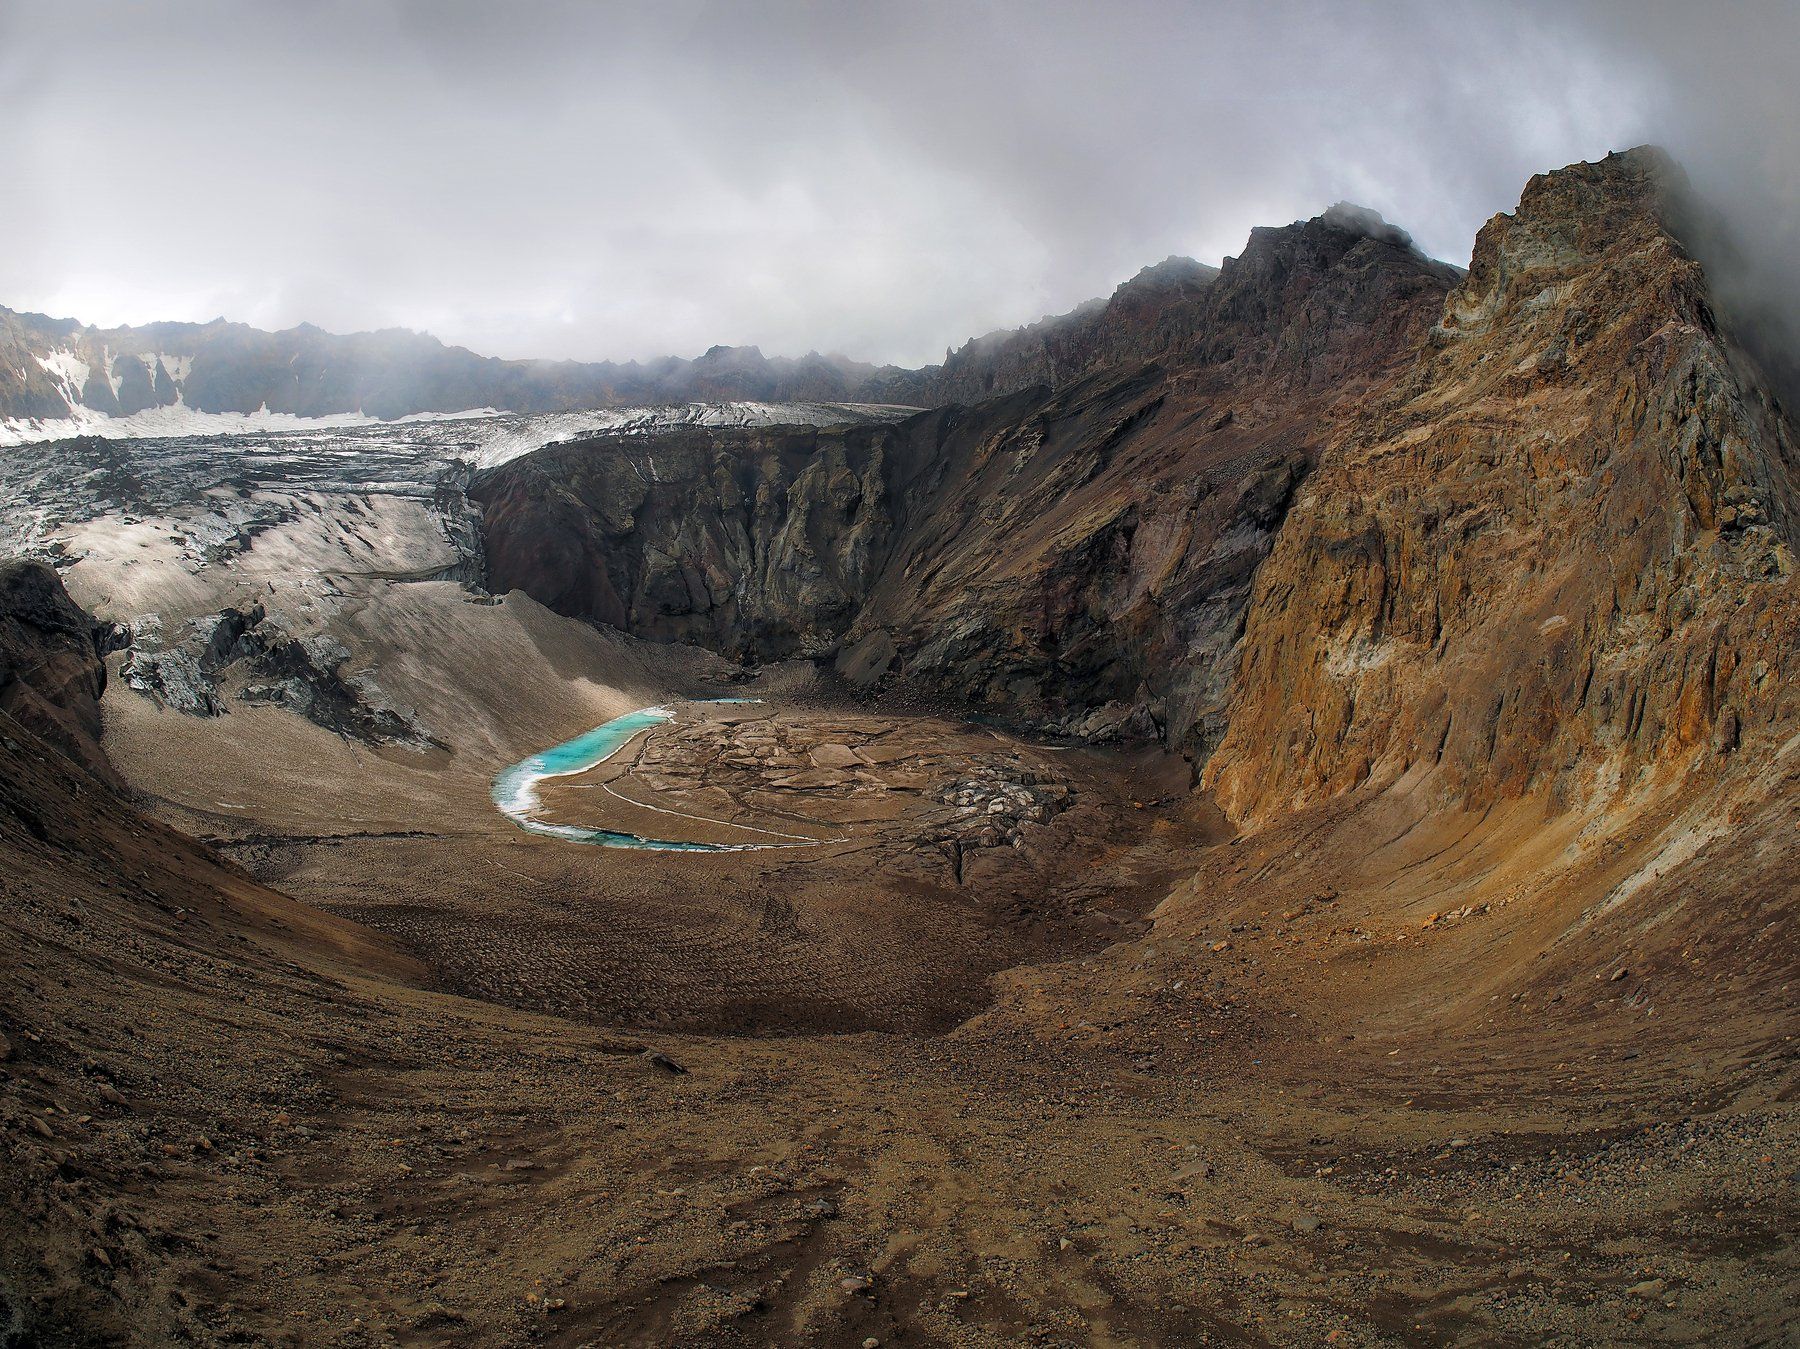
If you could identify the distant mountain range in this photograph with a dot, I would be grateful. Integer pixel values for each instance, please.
(61, 377)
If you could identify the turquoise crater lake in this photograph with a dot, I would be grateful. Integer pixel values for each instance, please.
(514, 789)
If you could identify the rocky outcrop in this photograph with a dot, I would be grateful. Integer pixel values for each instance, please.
(1075, 557)
(1147, 317)
(1559, 552)
(243, 653)
(52, 663)
(1182, 312)
(757, 542)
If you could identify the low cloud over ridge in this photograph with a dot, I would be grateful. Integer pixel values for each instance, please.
(568, 180)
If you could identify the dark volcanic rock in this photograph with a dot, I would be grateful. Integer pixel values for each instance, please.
(1145, 319)
(757, 542)
(52, 666)
(268, 665)
(1078, 557)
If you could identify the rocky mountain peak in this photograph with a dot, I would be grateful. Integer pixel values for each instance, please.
(1173, 273)
(1557, 553)
(1566, 222)
(1353, 219)
(1309, 300)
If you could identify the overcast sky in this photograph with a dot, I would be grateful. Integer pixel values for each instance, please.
(618, 180)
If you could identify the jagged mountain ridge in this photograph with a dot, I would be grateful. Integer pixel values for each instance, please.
(1559, 551)
(55, 369)
(1081, 557)
(1077, 552)
(58, 370)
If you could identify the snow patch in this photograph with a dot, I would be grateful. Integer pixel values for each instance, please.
(68, 370)
(511, 435)
(181, 420)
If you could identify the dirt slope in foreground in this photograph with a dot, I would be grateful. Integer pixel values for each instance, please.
(231, 1118)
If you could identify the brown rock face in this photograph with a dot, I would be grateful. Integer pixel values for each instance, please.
(759, 543)
(1079, 557)
(1145, 319)
(51, 668)
(1559, 551)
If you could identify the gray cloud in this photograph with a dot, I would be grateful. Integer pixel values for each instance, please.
(627, 180)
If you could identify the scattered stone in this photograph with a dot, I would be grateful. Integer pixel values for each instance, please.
(1307, 1222)
(657, 1059)
(1618, 975)
(856, 1283)
(40, 1128)
(1648, 1288)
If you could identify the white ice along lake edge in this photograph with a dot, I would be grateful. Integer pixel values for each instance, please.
(514, 790)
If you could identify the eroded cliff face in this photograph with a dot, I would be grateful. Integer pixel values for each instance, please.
(1082, 561)
(1078, 557)
(1550, 541)
(1560, 551)
(759, 543)
(52, 663)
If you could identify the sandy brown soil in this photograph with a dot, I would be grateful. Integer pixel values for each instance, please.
(1298, 1106)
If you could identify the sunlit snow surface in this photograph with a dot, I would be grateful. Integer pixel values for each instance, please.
(482, 435)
